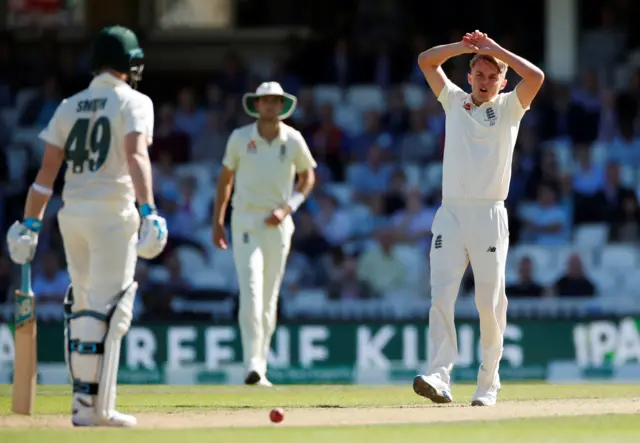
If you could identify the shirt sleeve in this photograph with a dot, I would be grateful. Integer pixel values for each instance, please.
(138, 117)
(449, 94)
(231, 158)
(303, 159)
(53, 134)
(512, 106)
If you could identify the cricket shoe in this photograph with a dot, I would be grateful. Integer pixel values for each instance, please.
(255, 379)
(488, 398)
(85, 416)
(433, 388)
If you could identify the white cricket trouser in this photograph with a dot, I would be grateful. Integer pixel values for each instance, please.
(476, 231)
(100, 248)
(260, 253)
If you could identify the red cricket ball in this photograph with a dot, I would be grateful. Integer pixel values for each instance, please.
(276, 415)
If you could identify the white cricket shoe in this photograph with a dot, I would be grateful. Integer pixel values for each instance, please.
(433, 388)
(255, 379)
(487, 398)
(85, 416)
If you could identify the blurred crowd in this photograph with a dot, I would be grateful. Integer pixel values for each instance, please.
(377, 133)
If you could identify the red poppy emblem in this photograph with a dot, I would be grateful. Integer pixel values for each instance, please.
(251, 146)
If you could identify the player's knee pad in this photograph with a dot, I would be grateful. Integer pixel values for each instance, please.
(92, 347)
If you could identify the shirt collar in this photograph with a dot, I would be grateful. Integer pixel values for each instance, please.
(468, 102)
(281, 138)
(106, 79)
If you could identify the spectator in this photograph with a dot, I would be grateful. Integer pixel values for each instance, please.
(40, 109)
(50, 285)
(188, 118)
(233, 78)
(418, 144)
(168, 139)
(609, 201)
(547, 172)
(380, 266)
(627, 228)
(215, 98)
(585, 110)
(348, 285)
(211, 144)
(627, 102)
(371, 136)
(625, 148)
(574, 283)
(525, 286)
(327, 143)
(341, 66)
(307, 238)
(395, 196)
(334, 222)
(588, 181)
(305, 116)
(608, 127)
(371, 177)
(546, 222)
(413, 225)
(165, 178)
(396, 118)
(193, 205)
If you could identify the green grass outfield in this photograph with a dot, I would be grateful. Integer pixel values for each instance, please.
(214, 405)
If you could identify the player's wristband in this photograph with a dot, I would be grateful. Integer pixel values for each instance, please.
(295, 201)
(41, 189)
(33, 224)
(147, 209)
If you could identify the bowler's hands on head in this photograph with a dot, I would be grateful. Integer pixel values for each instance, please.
(219, 236)
(277, 216)
(480, 43)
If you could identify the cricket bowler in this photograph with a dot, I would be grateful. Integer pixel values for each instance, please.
(261, 161)
(103, 133)
(471, 224)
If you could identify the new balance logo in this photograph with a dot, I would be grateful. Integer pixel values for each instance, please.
(438, 242)
(491, 249)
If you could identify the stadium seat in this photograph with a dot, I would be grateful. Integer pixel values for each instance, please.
(631, 285)
(413, 173)
(191, 260)
(413, 259)
(619, 258)
(413, 96)
(599, 153)
(604, 282)
(209, 279)
(592, 236)
(222, 262)
(433, 175)
(348, 118)
(366, 97)
(628, 175)
(564, 155)
(327, 94)
(202, 172)
(341, 191)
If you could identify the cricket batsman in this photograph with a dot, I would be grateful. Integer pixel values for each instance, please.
(261, 161)
(103, 133)
(471, 224)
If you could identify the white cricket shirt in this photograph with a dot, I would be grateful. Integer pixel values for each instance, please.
(265, 171)
(91, 126)
(479, 142)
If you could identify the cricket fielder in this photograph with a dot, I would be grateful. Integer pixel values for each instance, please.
(471, 225)
(262, 160)
(103, 134)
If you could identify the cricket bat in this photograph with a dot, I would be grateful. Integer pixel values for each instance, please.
(25, 362)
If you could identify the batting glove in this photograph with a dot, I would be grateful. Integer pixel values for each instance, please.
(22, 239)
(153, 233)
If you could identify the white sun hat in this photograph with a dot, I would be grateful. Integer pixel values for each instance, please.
(269, 88)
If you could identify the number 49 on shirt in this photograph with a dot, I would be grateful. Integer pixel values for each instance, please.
(88, 145)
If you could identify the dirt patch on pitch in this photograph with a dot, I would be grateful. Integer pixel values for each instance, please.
(356, 416)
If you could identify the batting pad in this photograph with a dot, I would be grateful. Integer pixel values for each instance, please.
(119, 325)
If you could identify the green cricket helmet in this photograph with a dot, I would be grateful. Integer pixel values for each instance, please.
(117, 48)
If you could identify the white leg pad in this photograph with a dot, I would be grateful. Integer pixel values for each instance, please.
(119, 325)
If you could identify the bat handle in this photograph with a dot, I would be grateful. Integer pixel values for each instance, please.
(25, 278)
